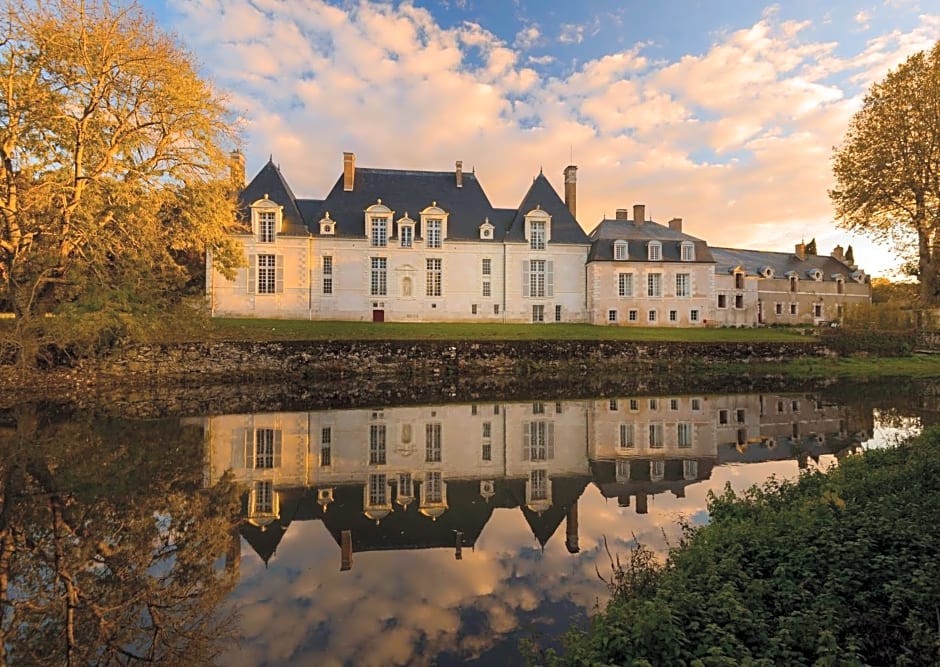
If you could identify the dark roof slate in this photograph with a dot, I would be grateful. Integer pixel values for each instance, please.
(270, 183)
(638, 237)
(405, 192)
(541, 194)
(754, 263)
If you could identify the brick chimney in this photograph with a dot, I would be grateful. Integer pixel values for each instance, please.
(676, 225)
(622, 214)
(237, 169)
(458, 173)
(571, 529)
(639, 214)
(571, 189)
(349, 171)
(838, 253)
(345, 547)
(800, 250)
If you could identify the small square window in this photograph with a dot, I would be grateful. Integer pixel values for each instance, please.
(739, 301)
(693, 315)
(673, 315)
(696, 405)
(793, 309)
(778, 308)
(634, 405)
(651, 316)
(722, 416)
(654, 404)
(611, 315)
(673, 403)
(633, 315)
(613, 405)
(473, 309)
(722, 301)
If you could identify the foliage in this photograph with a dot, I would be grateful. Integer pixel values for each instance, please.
(900, 294)
(886, 169)
(877, 316)
(811, 247)
(112, 172)
(109, 545)
(848, 341)
(836, 568)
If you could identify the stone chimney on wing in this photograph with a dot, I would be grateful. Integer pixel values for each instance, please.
(571, 529)
(639, 214)
(676, 225)
(800, 250)
(838, 253)
(237, 169)
(349, 171)
(571, 189)
(458, 173)
(622, 214)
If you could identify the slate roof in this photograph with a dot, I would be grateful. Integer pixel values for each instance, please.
(541, 194)
(405, 192)
(638, 237)
(270, 182)
(754, 263)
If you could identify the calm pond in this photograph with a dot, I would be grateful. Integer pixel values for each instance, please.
(421, 534)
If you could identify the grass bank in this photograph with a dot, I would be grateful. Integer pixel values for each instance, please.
(835, 568)
(913, 366)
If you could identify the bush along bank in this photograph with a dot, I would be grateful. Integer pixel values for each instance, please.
(836, 568)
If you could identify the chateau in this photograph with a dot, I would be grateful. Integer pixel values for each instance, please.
(428, 246)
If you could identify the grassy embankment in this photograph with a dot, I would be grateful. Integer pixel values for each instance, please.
(835, 568)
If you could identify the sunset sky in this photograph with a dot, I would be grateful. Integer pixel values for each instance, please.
(721, 112)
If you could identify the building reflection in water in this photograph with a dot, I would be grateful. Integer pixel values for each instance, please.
(431, 476)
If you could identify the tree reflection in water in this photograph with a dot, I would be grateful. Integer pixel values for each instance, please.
(111, 549)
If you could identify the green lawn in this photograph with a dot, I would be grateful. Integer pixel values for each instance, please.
(256, 329)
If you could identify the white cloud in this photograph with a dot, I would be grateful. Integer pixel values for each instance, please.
(863, 18)
(752, 119)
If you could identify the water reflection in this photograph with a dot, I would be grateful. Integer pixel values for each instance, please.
(444, 532)
(110, 546)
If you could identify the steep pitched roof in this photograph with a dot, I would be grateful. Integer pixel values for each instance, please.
(270, 183)
(638, 237)
(541, 194)
(405, 192)
(755, 262)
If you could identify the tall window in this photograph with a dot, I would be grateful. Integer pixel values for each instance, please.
(626, 436)
(433, 235)
(264, 497)
(379, 232)
(538, 313)
(379, 284)
(432, 443)
(739, 281)
(657, 470)
(539, 484)
(687, 252)
(327, 275)
(487, 441)
(656, 435)
(377, 444)
(326, 446)
(684, 434)
(434, 277)
(264, 448)
(378, 490)
(620, 250)
(433, 489)
(407, 234)
(654, 251)
(267, 272)
(405, 485)
(794, 285)
(683, 284)
(654, 285)
(538, 441)
(625, 284)
(487, 276)
(537, 235)
(537, 278)
(266, 226)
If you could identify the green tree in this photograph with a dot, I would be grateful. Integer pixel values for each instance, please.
(888, 167)
(112, 162)
(811, 247)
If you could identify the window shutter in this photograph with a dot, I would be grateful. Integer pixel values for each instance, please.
(550, 441)
(238, 449)
(279, 274)
(277, 448)
(249, 446)
(252, 273)
(549, 278)
(526, 441)
(525, 277)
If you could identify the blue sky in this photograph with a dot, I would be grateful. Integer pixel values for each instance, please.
(723, 113)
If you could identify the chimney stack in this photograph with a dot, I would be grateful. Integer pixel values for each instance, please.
(349, 171)
(622, 214)
(345, 547)
(459, 173)
(571, 189)
(571, 530)
(838, 253)
(641, 505)
(800, 250)
(639, 214)
(676, 225)
(237, 170)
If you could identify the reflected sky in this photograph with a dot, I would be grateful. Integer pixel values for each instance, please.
(452, 606)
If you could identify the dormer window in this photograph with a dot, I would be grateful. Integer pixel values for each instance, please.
(815, 274)
(858, 276)
(406, 231)
(654, 251)
(265, 220)
(767, 272)
(687, 251)
(538, 228)
(434, 224)
(377, 224)
(486, 229)
(327, 225)
(620, 250)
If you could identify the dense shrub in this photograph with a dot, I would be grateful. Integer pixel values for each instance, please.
(836, 568)
(881, 316)
(846, 341)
